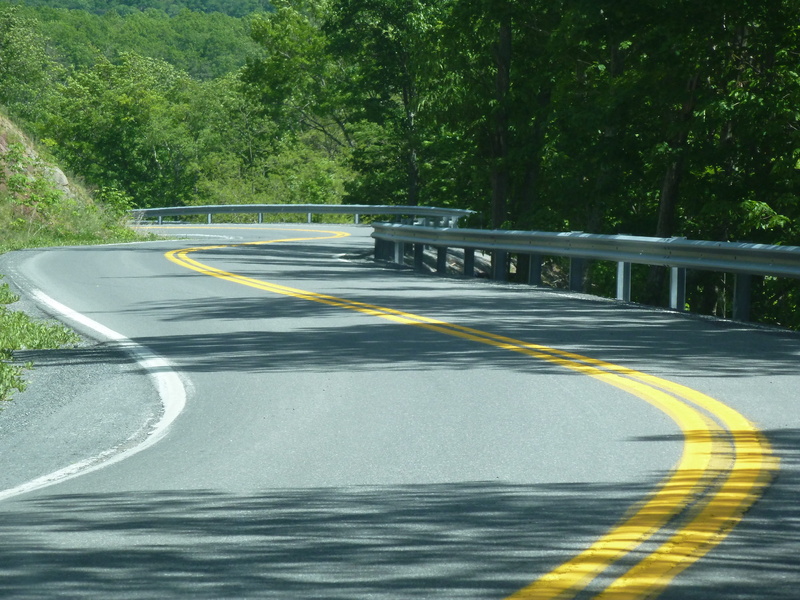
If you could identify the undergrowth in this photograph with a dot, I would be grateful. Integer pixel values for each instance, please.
(36, 212)
(19, 332)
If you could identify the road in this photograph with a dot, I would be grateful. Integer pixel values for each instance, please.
(291, 420)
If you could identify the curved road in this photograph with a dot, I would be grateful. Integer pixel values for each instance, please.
(341, 430)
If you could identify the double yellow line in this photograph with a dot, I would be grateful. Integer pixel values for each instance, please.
(725, 464)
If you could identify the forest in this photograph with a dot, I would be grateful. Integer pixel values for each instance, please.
(655, 117)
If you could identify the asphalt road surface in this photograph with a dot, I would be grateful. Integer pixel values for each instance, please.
(291, 420)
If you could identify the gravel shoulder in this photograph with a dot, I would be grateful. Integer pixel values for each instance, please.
(79, 402)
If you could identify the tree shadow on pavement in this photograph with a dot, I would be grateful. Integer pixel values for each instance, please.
(471, 540)
(277, 333)
(456, 540)
(758, 559)
(666, 341)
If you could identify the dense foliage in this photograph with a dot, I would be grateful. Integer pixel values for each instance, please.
(652, 117)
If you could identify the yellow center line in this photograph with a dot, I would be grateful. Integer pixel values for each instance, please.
(694, 481)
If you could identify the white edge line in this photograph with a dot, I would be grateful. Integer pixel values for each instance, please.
(168, 383)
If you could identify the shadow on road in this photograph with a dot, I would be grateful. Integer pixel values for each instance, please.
(274, 333)
(758, 559)
(666, 343)
(443, 541)
(469, 540)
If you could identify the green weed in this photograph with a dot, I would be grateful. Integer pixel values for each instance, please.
(19, 332)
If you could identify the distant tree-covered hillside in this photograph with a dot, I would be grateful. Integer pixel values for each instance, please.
(233, 8)
(206, 45)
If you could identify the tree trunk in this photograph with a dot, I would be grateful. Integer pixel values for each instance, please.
(668, 201)
(410, 103)
(670, 191)
(670, 187)
(413, 177)
(500, 130)
(527, 195)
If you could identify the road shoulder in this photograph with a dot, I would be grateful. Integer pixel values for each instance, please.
(79, 402)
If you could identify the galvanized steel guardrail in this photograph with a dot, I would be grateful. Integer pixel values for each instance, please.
(679, 254)
(431, 215)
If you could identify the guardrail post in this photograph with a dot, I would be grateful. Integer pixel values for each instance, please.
(441, 260)
(679, 255)
(260, 218)
(469, 262)
(384, 249)
(576, 268)
(357, 218)
(741, 296)
(419, 256)
(209, 218)
(160, 219)
(399, 253)
(534, 269)
(624, 281)
(309, 218)
(499, 266)
(677, 289)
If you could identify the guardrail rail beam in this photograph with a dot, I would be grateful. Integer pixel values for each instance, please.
(678, 254)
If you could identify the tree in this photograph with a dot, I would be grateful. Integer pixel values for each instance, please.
(204, 45)
(26, 71)
(124, 126)
(491, 90)
(295, 78)
(387, 44)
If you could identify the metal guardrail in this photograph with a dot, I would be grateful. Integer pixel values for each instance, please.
(431, 215)
(679, 254)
